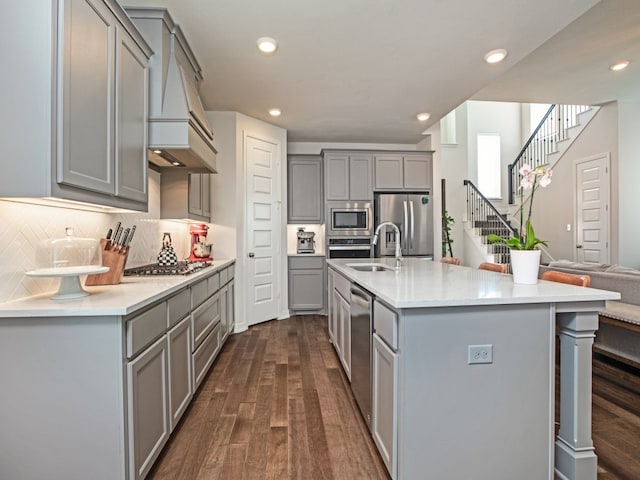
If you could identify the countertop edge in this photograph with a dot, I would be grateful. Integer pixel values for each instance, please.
(43, 306)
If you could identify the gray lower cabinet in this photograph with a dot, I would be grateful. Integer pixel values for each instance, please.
(403, 171)
(117, 385)
(226, 308)
(331, 308)
(305, 197)
(340, 319)
(89, 141)
(306, 283)
(344, 335)
(148, 407)
(180, 369)
(384, 423)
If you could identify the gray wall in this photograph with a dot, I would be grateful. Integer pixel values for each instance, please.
(554, 206)
(628, 122)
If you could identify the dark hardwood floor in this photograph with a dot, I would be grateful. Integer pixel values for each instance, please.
(276, 405)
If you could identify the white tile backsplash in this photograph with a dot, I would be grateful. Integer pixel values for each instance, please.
(23, 226)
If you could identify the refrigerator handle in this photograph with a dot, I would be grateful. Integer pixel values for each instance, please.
(406, 225)
(412, 225)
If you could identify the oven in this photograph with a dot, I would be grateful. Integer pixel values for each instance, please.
(349, 247)
(349, 218)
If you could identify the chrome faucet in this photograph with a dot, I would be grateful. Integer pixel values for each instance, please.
(398, 248)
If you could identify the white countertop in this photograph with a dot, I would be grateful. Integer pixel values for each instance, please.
(425, 283)
(133, 293)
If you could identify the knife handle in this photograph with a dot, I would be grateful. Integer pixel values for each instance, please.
(133, 230)
(116, 237)
(108, 239)
(124, 240)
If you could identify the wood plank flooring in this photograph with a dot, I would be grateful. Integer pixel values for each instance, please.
(276, 405)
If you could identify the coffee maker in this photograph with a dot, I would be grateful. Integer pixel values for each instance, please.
(200, 251)
(306, 243)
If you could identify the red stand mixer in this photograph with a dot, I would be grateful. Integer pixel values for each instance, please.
(200, 251)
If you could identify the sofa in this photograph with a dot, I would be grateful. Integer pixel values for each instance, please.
(618, 335)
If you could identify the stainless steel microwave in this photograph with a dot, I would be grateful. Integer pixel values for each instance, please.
(349, 218)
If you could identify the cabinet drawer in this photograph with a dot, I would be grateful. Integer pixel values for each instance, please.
(204, 355)
(199, 293)
(224, 276)
(146, 327)
(213, 284)
(231, 272)
(385, 324)
(179, 306)
(343, 286)
(306, 263)
(203, 319)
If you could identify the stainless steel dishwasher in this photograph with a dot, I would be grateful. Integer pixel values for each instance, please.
(361, 330)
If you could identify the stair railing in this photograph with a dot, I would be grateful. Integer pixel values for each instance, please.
(552, 128)
(480, 211)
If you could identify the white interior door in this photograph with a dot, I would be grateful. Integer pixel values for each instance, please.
(592, 209)
(263, 229)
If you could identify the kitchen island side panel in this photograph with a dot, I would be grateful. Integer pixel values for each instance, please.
(61, 406)
(480, 421)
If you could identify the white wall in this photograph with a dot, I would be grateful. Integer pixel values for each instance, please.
(23, 226)
(224, 185)
(452, 166)
(228, 204)
(314, 148)
(503, 118)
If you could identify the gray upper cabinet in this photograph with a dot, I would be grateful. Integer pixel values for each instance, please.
(185, 195)
(304, 193)
(131, 120)
(80, 133)
(348, 176)
(403, 171)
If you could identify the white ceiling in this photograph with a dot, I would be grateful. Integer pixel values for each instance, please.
(360, 70)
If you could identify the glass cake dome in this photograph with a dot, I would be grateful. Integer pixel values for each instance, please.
(68, 258)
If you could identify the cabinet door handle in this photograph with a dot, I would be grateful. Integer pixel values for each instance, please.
(578, 246)
(251, 255)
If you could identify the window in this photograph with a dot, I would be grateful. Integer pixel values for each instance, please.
(489, 165)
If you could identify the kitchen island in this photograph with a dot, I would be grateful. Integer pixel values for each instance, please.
(93, 387)
(463, 371)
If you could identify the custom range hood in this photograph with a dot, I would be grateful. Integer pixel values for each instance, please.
(179, 134)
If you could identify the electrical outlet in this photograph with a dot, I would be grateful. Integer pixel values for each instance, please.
(479, 354)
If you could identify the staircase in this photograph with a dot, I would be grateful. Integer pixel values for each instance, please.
(484, 219)
(553, 136)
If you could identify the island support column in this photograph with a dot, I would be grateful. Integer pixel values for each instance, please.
(575, 457)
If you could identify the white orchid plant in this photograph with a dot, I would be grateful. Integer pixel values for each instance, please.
(531, 179)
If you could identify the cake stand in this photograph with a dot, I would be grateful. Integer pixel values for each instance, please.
(69, 279)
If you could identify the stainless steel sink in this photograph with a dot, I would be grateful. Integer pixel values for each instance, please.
(370, 267)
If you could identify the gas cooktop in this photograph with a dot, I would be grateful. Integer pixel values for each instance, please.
(181, 268)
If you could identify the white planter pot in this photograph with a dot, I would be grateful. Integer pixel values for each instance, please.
(524, 265)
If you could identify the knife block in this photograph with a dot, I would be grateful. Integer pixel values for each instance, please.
(115, 260)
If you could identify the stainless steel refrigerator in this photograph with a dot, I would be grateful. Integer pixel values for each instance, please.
(413, 214)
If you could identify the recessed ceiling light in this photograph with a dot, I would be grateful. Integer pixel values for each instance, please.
(267, 45)
(423, 117)
(157, 152)
(619, 66)
(275, 112)
(495, 56)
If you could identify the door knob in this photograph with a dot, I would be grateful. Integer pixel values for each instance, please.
(251, 255)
